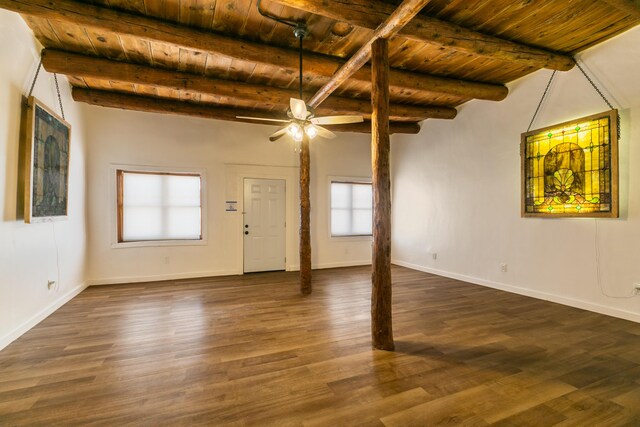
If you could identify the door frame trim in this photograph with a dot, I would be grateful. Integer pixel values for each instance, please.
(234, 182)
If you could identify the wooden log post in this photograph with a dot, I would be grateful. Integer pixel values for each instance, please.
(381, 320)
(305, 218)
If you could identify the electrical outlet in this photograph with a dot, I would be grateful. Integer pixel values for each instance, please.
(51, 284)
(167, 260)
(503, 268)
(434, 256)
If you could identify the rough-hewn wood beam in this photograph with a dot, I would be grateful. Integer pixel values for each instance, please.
(157, 105)
(305, 217)
(151, 29)
(632, 7)
(370, 13)
(394, 23)
(56, 61)
(381, 319)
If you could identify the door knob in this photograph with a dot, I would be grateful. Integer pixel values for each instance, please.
(246, 232)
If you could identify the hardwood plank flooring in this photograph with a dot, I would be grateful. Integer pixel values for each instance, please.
(251, 351)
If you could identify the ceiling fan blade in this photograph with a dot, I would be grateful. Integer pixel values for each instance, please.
(298, 108)
(278, 134)
(262, 119)
(336, 120)
(324, 133)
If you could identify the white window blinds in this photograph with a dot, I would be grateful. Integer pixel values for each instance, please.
(160, 206)
(351, 209)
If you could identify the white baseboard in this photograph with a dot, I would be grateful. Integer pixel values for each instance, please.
(572, 302)
(337, 264)
(161, 277)
(341, 264)
(40, 316)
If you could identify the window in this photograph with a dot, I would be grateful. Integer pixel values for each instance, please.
(351, 209)
(158, 206)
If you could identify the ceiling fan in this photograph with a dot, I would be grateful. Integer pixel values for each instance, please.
(302, 119)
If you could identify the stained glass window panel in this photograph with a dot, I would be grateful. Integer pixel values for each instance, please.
(571, 169)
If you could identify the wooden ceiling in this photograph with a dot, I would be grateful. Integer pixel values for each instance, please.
(223, 58)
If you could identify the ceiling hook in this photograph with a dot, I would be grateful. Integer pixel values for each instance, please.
(300, 30)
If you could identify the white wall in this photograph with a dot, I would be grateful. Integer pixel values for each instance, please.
(456, 189)
(226, 151)
(32, 254)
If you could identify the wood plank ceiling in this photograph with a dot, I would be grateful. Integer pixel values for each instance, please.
(216, 58)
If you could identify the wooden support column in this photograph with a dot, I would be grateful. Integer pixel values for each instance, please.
(381, 321)
(305, 218)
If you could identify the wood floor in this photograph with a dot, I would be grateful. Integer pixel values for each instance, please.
(251, 351)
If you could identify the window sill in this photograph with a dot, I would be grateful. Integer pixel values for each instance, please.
(158, 243)
(351, 238)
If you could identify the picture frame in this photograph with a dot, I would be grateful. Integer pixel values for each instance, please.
(47, 154)
(570, 169)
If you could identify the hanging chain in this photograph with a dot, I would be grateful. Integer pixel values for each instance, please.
(33, 83)
(542, 100)
(594, 86)
(597, 89)
(55, 78)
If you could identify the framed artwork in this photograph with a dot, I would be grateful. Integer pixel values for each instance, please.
(571, 169)
(47, 164)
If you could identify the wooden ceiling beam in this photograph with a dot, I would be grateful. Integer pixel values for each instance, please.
(394, 23)
(371, 13)
(155, 30)
(73, 64)
(163, 106)
(632, 7)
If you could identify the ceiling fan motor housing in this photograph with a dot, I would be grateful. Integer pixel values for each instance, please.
(310, 114)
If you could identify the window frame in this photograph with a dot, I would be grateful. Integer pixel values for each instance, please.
(118, 172)
(354, 181)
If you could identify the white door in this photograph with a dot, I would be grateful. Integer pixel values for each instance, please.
(264, 224)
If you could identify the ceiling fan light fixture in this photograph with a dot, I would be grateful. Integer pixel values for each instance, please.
(296, 132)
(311, 131)
(302, 118)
